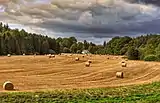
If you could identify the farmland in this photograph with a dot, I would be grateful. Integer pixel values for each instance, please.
(36, 73)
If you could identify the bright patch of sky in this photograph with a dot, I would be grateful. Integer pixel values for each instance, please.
(42, 1)
(2, 8)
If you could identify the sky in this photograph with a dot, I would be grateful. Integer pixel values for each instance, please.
(92, 20)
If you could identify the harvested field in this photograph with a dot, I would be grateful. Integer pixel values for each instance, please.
(29, 73)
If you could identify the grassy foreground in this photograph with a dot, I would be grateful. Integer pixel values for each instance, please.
(149, 93)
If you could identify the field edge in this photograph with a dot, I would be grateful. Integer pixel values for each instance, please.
(135, 93)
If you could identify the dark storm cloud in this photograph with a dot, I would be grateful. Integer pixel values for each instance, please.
(154, 2)
(84, 18)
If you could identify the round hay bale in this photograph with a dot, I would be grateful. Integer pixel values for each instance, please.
(9, 55)
(77, 59)
(48, 55)
(119, 75)
(8, 85)
(123, 61)
(24, 54)
(53, 56)
(124, 64)
(89, 61)
(87, 64)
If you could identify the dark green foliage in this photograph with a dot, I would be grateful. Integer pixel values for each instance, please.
(79, 51)
(149, 93)
(123, 51)
(133, 54)
(86, 45)
(145, 45)
(73, 48)
(158, 57)
(150, 58)
(104, 44)
(72, 40)
(157, 50)
(19, 42)
(66, 50)
(115, 45)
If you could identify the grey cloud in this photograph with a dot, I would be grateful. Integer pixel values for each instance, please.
(154, 2)
(85, 18)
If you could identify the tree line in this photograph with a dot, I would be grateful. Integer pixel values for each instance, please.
(144, 47)
(14, 41)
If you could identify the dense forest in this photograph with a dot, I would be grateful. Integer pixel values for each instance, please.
(13, 41)
(17, 42)
(145, 47)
